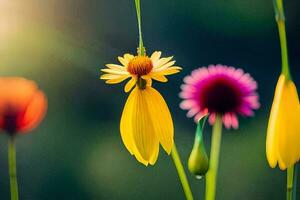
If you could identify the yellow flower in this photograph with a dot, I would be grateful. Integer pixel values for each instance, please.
(136, 67)
(283, 134)
(146, 120)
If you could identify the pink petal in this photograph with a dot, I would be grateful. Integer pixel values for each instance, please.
(234, 121)
(212, 118)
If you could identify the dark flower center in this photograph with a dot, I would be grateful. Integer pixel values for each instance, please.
(10, 122)
(220, 96)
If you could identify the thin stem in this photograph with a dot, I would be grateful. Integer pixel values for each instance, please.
(12, 168)
(280, 18)
(295, 181)
(141, 49)
(289, 183)
(181, 173)
(211, 176)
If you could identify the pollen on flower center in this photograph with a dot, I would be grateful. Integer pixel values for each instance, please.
(140, 65)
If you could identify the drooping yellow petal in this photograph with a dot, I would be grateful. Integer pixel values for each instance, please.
(283, 135)
(154, 156)
(126, 128)
(146, 122)
(142, 125)
(130, 84)
(161, 118)
(125, 124)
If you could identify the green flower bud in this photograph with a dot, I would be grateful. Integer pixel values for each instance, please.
(198, 162)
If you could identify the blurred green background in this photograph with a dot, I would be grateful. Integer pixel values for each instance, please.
(77, 152)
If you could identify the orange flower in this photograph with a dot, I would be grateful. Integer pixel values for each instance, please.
(22, 105)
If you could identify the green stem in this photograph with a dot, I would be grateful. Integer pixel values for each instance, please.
(289, 183)
(12, 168)
(280, 18)
(181, 173)
(211, 176)
(295, 181)
(141, 49)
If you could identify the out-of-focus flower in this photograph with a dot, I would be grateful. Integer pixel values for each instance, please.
(283, 135)
(218, 89)
(146, 120)
(22, 105)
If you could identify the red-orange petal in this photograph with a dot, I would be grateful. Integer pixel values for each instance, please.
(34, 113)
(22, 105)
(16, 92)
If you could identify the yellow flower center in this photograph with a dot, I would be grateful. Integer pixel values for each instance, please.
(140, 65)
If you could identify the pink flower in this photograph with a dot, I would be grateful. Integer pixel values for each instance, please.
(219, 89)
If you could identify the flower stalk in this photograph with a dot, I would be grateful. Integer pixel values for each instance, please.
(211, 176)
(289, 183)
(280, 19)
(12, 168)
(141, 48)
(181, 173)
